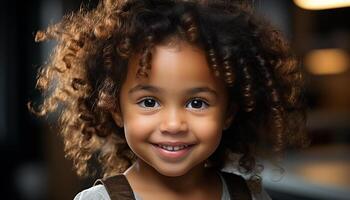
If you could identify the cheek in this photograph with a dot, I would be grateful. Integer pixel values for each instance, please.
(138, 127)
(208, 130)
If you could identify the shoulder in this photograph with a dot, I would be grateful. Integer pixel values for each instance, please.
(236, 180)
(97, 192)
(261, 196)
(243, 185)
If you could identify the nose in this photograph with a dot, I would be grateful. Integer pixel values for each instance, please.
(173, 121)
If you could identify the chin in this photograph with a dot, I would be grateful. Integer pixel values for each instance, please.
(172, 172)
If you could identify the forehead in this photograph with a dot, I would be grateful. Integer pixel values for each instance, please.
(176, 66)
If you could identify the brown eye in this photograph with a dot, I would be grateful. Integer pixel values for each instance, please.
(197, 104)
(148, 103)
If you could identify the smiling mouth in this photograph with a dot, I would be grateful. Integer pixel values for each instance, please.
(172, 148)
(173, 152)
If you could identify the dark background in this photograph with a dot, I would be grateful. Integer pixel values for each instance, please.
(33, 164)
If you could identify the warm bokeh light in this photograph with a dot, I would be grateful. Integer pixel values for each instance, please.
(331, 173)
(327, 61)
(321, 4)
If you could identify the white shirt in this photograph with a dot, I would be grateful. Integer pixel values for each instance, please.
(99, 192)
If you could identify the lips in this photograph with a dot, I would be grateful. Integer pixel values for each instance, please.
(173, 150)
(173, 146)
(174, 143)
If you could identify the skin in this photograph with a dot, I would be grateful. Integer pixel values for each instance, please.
(180, 100)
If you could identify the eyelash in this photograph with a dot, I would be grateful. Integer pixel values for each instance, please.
(141, 103)
(204, 102)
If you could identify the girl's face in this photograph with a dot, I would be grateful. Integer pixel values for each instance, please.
(173, 119)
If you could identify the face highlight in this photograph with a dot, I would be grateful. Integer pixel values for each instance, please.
(173, 119)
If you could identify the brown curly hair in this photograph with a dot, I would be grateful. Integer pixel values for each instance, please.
(83, 78)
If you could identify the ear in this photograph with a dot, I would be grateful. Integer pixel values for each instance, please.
(118, 119)
(230, 115)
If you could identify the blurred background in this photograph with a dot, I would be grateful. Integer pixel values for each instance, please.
(33, 164)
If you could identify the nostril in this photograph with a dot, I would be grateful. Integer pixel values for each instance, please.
(173, 121)
(173, 127)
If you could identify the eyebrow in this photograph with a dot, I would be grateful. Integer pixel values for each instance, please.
(191, 91)
(149, 88)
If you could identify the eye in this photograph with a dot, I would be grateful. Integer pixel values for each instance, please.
(148, 103)
(197, 104)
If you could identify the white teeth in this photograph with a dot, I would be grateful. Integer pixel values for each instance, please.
(173, 148)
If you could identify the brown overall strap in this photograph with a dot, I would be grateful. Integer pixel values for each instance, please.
(237, 186)
(117, 187)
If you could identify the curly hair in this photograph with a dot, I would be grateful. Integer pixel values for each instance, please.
(83, 77)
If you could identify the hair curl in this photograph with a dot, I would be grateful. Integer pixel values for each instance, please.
(89, 65)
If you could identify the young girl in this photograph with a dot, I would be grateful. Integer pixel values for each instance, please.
(163, 93)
